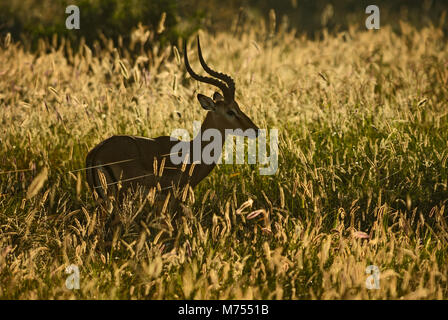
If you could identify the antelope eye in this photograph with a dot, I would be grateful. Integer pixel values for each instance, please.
(231, 113)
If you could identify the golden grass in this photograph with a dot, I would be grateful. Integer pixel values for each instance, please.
(363, 148)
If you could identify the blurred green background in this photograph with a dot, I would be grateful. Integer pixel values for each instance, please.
(29, 20)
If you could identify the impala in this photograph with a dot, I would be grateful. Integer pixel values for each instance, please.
(126, 162)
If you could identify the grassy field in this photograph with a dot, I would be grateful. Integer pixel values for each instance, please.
(363, 140)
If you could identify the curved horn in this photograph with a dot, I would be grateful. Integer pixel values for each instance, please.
(199, 78)
(222, 76)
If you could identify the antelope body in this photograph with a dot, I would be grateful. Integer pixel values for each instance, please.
(127, 162)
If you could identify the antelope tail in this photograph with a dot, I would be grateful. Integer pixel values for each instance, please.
(92, 175)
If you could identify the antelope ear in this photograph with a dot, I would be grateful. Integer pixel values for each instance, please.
(217, 97)
(206, 102)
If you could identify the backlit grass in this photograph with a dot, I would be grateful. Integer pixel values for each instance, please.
(363, 125)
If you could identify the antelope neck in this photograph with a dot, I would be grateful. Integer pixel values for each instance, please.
(208, 123)
(202, 169)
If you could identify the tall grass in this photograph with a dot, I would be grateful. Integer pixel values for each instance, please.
(363, 153)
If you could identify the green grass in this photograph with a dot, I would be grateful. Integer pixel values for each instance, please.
(363, 137)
